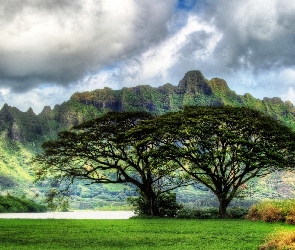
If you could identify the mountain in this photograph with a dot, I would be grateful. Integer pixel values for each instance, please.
(193, 89)
(22, 133)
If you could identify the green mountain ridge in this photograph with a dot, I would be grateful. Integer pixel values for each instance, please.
(23, 133)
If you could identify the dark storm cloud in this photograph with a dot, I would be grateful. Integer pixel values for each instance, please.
(196, 45)
(60, 42)
(257, 35)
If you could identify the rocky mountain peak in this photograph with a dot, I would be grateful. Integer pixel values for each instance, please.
(46, 109)
(195, 83)
(30, 111)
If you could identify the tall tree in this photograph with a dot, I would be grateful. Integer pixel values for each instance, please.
(102, 151)
(222, 147)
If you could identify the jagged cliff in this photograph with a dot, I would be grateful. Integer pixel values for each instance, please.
(22, 133)
(193, 89)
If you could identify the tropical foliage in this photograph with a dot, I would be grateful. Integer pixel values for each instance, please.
(219, 147)
(101, 151)
(11, 204)
(222, 147)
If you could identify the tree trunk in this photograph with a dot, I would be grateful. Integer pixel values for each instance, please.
(154, 211)
(150, 196)
(151, 203)
(223, 203)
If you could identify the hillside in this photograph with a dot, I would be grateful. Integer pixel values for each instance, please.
(22, 133)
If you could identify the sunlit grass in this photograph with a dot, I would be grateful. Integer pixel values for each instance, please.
(280, 241)
(134, 234)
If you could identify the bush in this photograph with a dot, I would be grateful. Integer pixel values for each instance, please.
(290, 218)
(273, 211)
(166, 204)
(280, 241)
(65, 206)
(210, 213)
(204, 213)
(254, 213)
(237, 212)
(185, 213)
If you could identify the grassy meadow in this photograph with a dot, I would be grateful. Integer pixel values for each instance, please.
(25, 234)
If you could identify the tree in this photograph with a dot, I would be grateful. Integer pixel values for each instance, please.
(102, 151)
(222, 147)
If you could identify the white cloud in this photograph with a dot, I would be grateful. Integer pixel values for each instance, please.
(75, 45)
(153, 65)
(42, 43)
(36, 98)
(289, 96)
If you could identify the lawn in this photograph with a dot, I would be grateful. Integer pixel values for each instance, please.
(21, 234)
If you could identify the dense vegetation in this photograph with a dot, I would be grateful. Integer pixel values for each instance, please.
(101, 151)
(170, 234)
(273, 211)
(220, 147)
(11, 204)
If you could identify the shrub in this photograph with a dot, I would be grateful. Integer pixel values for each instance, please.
(237, 212)
(185, 213)
(166, 204)
(210, 213)
(65, 206)
(204, 213)
(280, 241)
(254, 213)
(273, 211)
(290, 218)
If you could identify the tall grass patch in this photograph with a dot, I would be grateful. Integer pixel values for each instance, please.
(280, 241)
(273, 211)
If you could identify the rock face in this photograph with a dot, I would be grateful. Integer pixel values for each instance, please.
(193, 89)
(194, 83)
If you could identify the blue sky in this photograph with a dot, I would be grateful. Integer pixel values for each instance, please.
(54, 48)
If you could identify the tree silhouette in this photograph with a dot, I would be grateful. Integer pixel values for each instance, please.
(102, 151)
(222, 147)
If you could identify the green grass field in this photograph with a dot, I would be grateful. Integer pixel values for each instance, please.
(21, 234)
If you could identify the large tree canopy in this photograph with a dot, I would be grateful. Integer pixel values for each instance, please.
(222, 147)
(101, 151)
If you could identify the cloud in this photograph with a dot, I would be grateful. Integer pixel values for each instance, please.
(290, 95)
(76, 45)
(251, 49)
(36, 98)
(62, 41)
(166, 61)
(257, 34)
